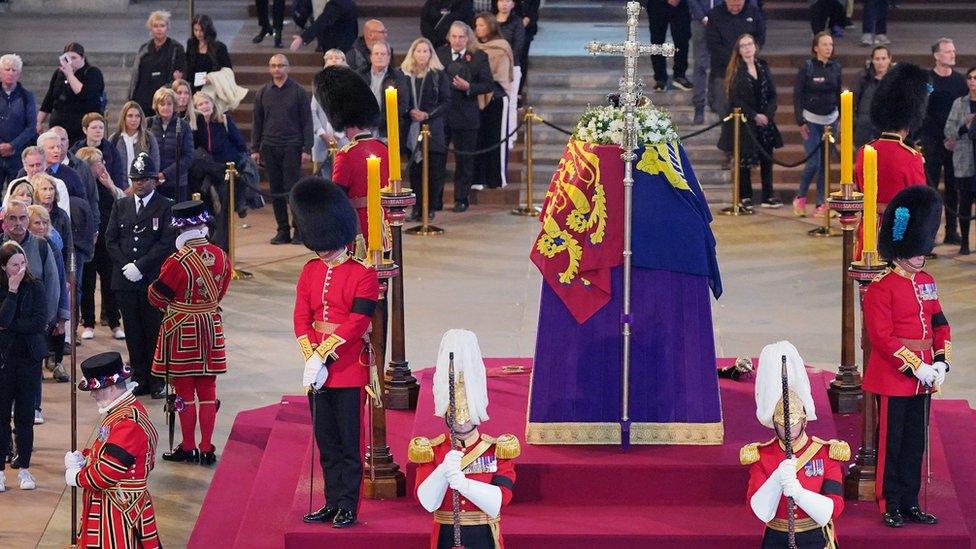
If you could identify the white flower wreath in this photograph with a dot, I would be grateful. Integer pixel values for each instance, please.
(605, 126)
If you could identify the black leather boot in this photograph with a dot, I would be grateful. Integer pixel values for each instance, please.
(343, 519)
(208, 457)
(259, 37)
(916, 515)
(893, 519)
(325, 514)
(179, 454)
(277, 38)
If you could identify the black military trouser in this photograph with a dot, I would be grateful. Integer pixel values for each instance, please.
(336, 421)
(472, 537)
(141, 320)
(901, 445)
(811, 539)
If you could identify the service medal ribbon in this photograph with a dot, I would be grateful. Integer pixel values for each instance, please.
(814, 468)
(928, 291)
(103, 432)
(155, 223)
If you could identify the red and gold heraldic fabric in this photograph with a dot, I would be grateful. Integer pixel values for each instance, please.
(582, 227)
(117, 509)
(191, 284)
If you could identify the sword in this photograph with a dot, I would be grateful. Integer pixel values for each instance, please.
(452, 413)
(788, 441)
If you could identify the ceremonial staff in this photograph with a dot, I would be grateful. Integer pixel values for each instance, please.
(455, 442)
(788, 441)
(73, 301)
(630, 86)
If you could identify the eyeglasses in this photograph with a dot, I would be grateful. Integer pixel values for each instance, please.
(971, 77)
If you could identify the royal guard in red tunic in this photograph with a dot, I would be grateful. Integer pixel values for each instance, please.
(190, 346)
(481, 468)
(334, 303)
(116, 508)
(351, 108)
(897, 110)
(910, 350)
(813, 476)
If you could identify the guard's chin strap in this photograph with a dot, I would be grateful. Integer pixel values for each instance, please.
(458, 432)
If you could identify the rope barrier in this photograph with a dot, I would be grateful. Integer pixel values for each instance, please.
(701, 131)
(555, 127)
(490, 147)
(767, 156)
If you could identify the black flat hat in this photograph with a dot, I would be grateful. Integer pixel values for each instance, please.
(103, 370)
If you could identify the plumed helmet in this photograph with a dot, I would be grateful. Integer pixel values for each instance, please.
(346, 98)
(323, 214)
(901, 98)
(910, 222)
(470, 379)
(142, 167)
(769, 386)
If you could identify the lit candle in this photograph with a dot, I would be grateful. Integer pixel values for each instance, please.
(393, 132)
(847, 138)
(374, 210)
(870, 219)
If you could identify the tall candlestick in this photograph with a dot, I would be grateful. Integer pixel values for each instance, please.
(374, 211)
(393, 132)
(847, 138)
(870, 220)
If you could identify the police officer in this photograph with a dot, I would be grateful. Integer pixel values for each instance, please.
(139, 238)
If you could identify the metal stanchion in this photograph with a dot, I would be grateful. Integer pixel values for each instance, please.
(425, 228)
(230, 176)
(737, 120)
(529, 209)
(845, 390)
(73, 299)
(826, 229)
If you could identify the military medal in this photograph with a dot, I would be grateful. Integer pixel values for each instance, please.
(814, 468)
(155, 223)
(928, 291)
(103, 432)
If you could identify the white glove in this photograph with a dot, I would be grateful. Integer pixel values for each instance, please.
(486, 497)
(792, 487)
(926, 374)
(431, 491)
(819, 507)
(786, 471)
(766, 499)
(132, 272)
(315, 372)
(74, 460)
(457, 480)
(452, 461)
(940, 372)
(69, 476)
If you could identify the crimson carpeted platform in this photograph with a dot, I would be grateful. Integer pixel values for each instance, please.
(567, 496)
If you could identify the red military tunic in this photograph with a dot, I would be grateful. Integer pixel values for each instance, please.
(819, 469)
(491, 461)
(117, 510)
(899, 166)
(349, 171)
(191, 283)
(906, 327)
(334, 303)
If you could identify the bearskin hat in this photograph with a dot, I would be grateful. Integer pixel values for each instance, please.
(346, 98)
(323, 214)
(910, 222)
(901, 98)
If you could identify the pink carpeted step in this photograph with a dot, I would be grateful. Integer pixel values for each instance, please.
(265, 514)
(220, 516)
(954, 420)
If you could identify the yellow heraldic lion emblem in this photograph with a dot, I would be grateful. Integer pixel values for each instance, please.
(576, 205)
(661, 158)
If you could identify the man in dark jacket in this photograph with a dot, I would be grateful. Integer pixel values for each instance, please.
(674, 13)
(358, 57)
(335, 28)
(139, 238)
(438, 16)
(470, 76)
(726, 23)
(379, 76)
(18, 113)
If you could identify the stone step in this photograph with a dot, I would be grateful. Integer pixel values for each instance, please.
(919, 11)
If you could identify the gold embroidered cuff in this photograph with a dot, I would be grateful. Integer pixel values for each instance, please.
(908, 359)
(328, 347)
(946, 351)
(306, 346)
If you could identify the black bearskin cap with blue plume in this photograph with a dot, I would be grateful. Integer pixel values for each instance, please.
(910, 222)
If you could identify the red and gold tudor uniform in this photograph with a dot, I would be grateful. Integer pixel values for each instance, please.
(819, 469)
(906, 327)
(117, 509)
(899, 166)
(349, 171)
(334, 305)
(491, 461)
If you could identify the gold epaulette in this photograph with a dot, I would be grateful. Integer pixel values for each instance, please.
(839, 450)
(348, 146)
(881, 275)
(749, 453)
(421, 449)
(506, 446)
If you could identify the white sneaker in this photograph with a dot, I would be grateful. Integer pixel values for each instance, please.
(867, 39)
(118, 333)
(3, 482)
(38, 418)
(881, 40)
(26, 480)
(88, 333)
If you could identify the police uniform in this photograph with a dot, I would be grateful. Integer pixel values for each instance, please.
(190, 348)
(139, 233)
(909, 335)
(116, 507)
(490, 460)
(819, 469)
(334, 303)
